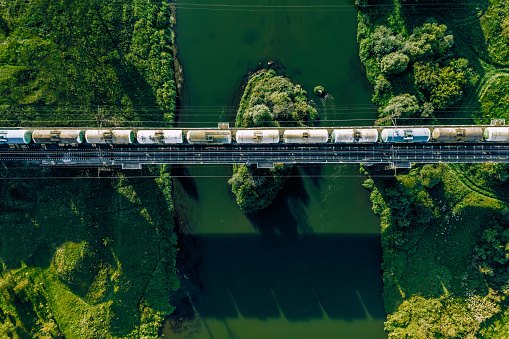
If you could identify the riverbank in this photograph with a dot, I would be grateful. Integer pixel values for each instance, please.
(444, 239)
(93, 255)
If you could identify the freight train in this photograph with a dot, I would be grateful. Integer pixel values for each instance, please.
(255, 136)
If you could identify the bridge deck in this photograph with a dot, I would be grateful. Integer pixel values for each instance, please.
(399, 155)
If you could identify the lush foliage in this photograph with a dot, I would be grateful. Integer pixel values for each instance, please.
(269, 100)
(420, 65)
(444, 228)
(86, 258)
(495, 98)
(445, 249)
(62, 60)
(80, 271)
(495, 23)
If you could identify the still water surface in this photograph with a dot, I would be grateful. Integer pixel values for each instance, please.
(309, 265)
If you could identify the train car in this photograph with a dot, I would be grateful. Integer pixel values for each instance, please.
(462, 134)
(15, 136)
(499, 134)
(310, 136)
(257, 136)
(109, 136)
(160, 136)
(212, 137)
(350, 136)
(63, 136)
(406, 135)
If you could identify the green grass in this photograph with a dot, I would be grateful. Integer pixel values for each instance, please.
(82, 63)
(105, 254)
(432, 234)
(83, 257)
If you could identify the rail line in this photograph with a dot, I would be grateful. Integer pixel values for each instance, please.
(265, 156)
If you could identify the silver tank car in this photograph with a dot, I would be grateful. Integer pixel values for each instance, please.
(15, 137)
(209, 137)
(499, 134)
(109, 136)
(62, 136)
(350, 136)
(310, 136)
(160, 137)
(406, 135)
(457, 134)
(257, 136)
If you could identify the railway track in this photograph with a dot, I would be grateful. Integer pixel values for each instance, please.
(400, 155)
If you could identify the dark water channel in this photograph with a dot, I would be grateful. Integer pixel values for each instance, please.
(309, 265)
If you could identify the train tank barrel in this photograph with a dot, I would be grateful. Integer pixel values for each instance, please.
(64, 136)
(15, 137)
(406, 135)
(109, 136)
(497, 134)
(310, 136)
(160, 137)
(349, 136)
(212, 137)
(257, 136)
(467, 134)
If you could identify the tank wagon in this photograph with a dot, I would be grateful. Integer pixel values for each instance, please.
(499, 134)
(109, 136)
(350, 136)
(406, 134)
(294, 136)
(468, 134)
(310, 136)
(15, 137)
(160, 137)
(209, 137)
(63, 136)
(257, 136)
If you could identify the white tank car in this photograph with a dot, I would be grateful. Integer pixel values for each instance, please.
(309, 136)
(160, 137)
(58, 136)
(499, 134)
(350, 136)
(15, 136)
(109, 136)
(257, 136)
(214, 137)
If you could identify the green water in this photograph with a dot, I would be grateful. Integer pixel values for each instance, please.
(309, 265)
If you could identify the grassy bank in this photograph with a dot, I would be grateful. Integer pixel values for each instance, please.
(86, 257)
(269, 100)
(82, 63)
(444, 228)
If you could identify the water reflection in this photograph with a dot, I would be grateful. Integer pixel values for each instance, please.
(253, 276)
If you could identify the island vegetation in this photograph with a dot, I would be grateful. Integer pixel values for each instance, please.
(269, 100)
(93, 255)
(445, 234)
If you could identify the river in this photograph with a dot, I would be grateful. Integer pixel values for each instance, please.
(309, 265)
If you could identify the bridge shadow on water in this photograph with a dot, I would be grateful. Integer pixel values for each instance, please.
(285, 215)
(255, 276)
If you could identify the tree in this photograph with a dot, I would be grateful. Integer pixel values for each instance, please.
(444, 85)
(428, 40)
(384, 41)
(405, 105)
(394, 63)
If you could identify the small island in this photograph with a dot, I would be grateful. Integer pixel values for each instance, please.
(269, 100)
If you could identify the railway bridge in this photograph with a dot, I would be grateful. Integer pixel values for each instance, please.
(264, 155)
